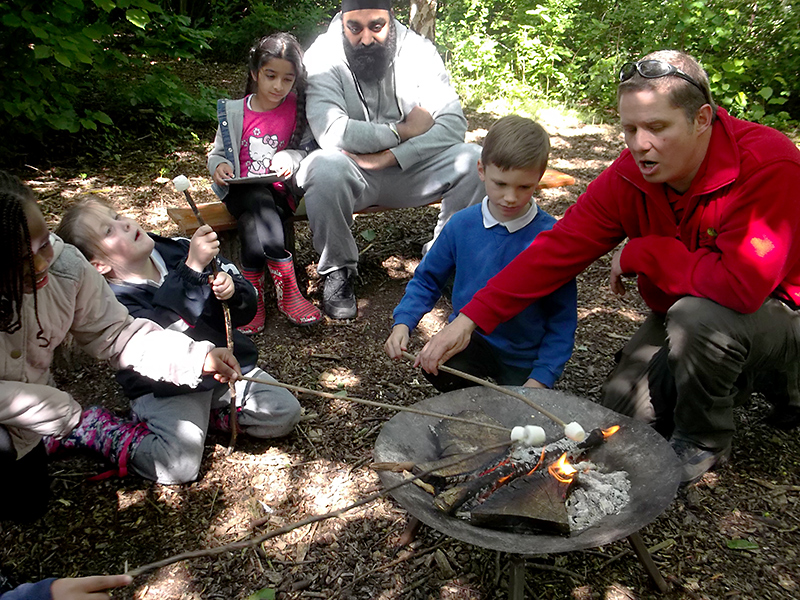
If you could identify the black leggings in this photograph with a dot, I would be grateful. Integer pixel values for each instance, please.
(24, 483)
(260, 211)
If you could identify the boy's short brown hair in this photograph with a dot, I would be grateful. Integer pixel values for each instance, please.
(515, 142)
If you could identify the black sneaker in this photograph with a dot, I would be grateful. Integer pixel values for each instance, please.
(696, 460)
(338, 297)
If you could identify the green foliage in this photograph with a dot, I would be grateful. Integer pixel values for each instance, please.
(234, 33)
(76, 65)
(99, 71)
(263, 594)
(569, 50)
(740, 544)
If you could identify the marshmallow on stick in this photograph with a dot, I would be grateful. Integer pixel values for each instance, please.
(530, 435)
(181, 183)
(574, 431)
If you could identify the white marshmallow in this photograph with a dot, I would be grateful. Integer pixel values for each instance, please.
(534, 435)
(181, 183)
(517, 434)
(574, 431)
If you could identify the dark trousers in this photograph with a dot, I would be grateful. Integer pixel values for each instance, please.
(478, 359)
(24, 482)
(685, 372)
(260, 211)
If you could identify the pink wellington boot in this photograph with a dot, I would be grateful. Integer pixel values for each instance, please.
(100, 430)
(256, 278)
(290, 301)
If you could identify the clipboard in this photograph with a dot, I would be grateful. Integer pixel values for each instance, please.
(266, 178)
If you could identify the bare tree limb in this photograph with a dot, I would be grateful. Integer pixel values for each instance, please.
(255, 541)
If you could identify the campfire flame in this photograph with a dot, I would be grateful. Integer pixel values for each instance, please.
(607, 433)
(562, 470)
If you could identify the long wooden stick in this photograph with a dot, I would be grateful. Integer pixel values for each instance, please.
(497, 388)
(396, 407)
(255, 541)
(228, 330)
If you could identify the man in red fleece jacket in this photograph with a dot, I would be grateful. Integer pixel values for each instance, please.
(711, 213)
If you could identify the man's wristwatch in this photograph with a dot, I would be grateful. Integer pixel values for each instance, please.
(393, 127)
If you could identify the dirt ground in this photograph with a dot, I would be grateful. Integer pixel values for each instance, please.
(733, 536)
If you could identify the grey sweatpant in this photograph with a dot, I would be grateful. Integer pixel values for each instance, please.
(172, 452)
(700, 361)
(335, 187)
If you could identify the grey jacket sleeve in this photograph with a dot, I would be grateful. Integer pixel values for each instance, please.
(337, 115)
(427, 77)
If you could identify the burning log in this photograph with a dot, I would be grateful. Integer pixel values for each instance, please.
(453, 498)
(536, 501)
(521, 486)
(455, 438)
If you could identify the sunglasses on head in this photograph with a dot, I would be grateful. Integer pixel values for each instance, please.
(653, 69)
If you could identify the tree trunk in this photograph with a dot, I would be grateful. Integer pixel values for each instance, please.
(423, 18)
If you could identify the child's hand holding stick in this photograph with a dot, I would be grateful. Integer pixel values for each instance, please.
(181, 183)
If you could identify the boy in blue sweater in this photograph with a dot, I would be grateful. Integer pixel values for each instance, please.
(477, 243)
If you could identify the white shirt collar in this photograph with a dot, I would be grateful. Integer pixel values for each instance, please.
(161, 266)
(512, 226)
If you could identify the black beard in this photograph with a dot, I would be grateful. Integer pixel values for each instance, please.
(370, 63)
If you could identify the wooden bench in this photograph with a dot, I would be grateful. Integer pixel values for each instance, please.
(217, 215)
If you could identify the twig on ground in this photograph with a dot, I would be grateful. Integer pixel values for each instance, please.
(255, 541)
(555, 569)
(390, 565)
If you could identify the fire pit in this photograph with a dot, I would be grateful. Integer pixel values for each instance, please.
(636, 448)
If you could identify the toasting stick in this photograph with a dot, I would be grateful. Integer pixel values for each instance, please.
(573, 430)
(302, 390)
(181, 183)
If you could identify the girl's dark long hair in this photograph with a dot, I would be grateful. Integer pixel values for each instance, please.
(15, 246)
(285, 46)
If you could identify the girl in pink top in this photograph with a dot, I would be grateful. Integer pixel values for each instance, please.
(264, 134)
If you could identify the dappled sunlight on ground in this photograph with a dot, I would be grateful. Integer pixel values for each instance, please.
(619, 592)
(400, 268)
(737, 524)
(338, 378)
(580, 163)
(165, 496)
(433, 322)
(475, 136)
(324, 492)
(633, 315)
(162, 583)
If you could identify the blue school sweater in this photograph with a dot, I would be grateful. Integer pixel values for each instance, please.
(541, 337)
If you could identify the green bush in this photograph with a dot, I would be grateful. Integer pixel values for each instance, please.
(234, 34)
(75, 66)
(63, 52)
(569, 50)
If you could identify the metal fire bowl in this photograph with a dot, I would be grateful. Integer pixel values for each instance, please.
(636, 448)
